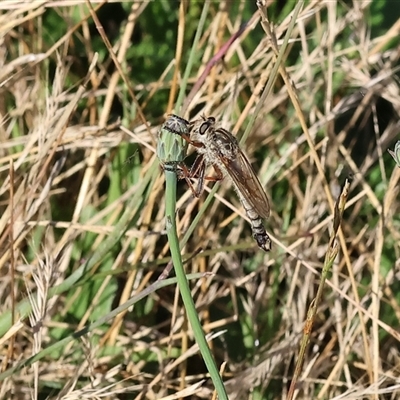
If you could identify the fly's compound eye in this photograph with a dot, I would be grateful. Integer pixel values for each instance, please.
(204, 128)
(206, 125)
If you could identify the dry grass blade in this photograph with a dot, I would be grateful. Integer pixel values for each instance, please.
(330, 257)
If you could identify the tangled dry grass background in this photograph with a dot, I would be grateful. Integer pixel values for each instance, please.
(82, 225)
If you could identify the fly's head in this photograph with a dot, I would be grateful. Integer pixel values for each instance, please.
(219, 141)
(203, 129)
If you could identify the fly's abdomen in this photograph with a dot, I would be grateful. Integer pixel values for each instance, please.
(257, 227)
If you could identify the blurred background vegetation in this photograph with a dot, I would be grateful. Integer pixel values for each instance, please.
(82, 200)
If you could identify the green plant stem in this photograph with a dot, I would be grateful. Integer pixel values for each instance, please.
(183, 284)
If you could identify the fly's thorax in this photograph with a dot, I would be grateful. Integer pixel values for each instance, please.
(224, 143)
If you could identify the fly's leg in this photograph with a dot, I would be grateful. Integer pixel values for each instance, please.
(219, 173)
(186, 137)
(198, 171)
(184, 173)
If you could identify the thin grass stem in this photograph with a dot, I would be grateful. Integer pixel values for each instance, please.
(330, 257)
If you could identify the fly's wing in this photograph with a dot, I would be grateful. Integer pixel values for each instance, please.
(246, 181)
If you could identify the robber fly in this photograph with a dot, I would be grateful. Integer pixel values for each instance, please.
(219, 148)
